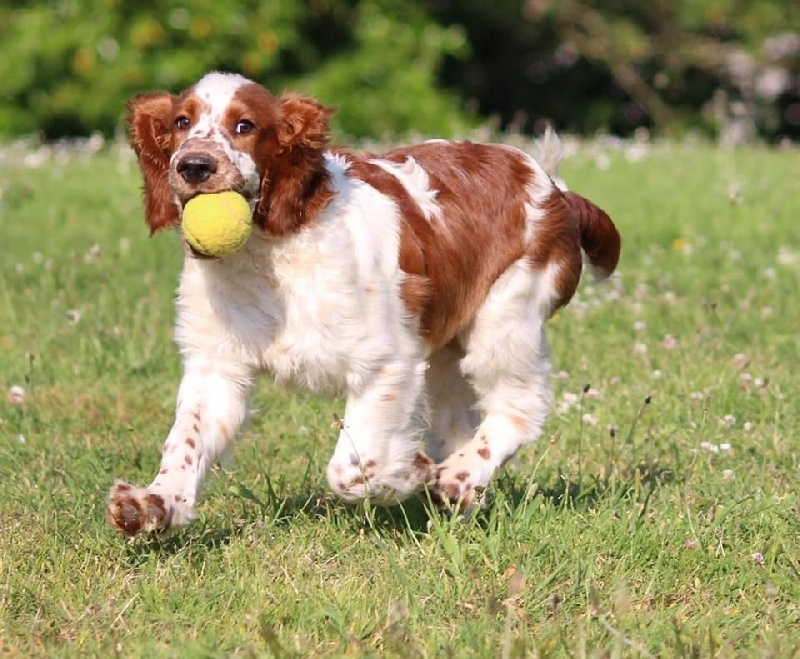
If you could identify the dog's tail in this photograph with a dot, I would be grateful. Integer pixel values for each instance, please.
(600, 240)
(549, 152)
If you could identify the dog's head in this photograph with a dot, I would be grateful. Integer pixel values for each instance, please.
(229, 133)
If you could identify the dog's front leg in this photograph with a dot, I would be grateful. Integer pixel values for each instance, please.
(212, 405)
(379, 455)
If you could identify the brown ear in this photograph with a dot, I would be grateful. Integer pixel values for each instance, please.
(303, 122)
(295, 185)
(150, 124)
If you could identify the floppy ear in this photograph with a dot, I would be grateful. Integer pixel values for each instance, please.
(302, 122)
(150, 125)
(295, 184)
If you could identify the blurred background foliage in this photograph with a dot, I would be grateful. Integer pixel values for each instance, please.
(730, 68)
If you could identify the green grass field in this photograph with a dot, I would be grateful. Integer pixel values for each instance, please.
(674, 534)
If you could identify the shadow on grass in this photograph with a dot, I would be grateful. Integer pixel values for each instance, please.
(394, 523)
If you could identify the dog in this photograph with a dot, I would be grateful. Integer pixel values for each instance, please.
(415, 283)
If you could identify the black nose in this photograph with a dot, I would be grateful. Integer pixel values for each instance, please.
(196, 167)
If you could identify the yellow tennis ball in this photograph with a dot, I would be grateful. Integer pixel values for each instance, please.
(217, 224)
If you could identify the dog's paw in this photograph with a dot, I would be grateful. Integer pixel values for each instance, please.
(460, 483)
(356, 481)
(133, 510)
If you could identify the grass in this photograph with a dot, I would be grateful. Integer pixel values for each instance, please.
(675, 534)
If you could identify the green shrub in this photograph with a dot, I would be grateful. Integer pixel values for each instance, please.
(66, 67)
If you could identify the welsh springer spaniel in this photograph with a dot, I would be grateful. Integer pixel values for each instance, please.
(416, 283)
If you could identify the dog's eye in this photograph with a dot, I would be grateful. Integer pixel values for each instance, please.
(182, 123)
(244, 126)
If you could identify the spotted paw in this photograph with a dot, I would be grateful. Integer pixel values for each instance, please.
(460, 483)
(354, 481)
(133, 510)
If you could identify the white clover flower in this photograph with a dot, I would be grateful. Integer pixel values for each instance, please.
(16, 395)
(669, 342)
(589, 419)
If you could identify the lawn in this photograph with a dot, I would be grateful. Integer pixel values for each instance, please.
(657, 516)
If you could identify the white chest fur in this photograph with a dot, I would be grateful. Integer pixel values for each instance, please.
(319, 309)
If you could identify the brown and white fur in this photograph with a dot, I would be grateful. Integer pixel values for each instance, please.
(416, 283)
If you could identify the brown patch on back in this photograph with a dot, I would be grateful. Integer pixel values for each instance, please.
(190, 442)
(415, 291)
(484, 452)
(452, 262)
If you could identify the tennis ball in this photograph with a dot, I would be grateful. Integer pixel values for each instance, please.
(217, 224)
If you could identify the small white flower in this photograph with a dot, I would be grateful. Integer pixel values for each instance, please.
(697, 396)
(20, 439)
(759, 383)
(74, 316)
(640, 349)
(16, 395)
(770, 273)
(592, 393)
(670, 296)
(729, 420)
(740, 360)
(758, 557)
(767, 312)
(639, 326)
(602, 162)
(657, 374)
(748, 426)
(728, 475)
(93, 254)
(569, 398)
(724, 447)
(669, 342)
(589, 419)
(562, 375)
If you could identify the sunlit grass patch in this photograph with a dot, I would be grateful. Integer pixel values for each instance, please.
(657, 515)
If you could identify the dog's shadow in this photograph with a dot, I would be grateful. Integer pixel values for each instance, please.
(216, 530)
